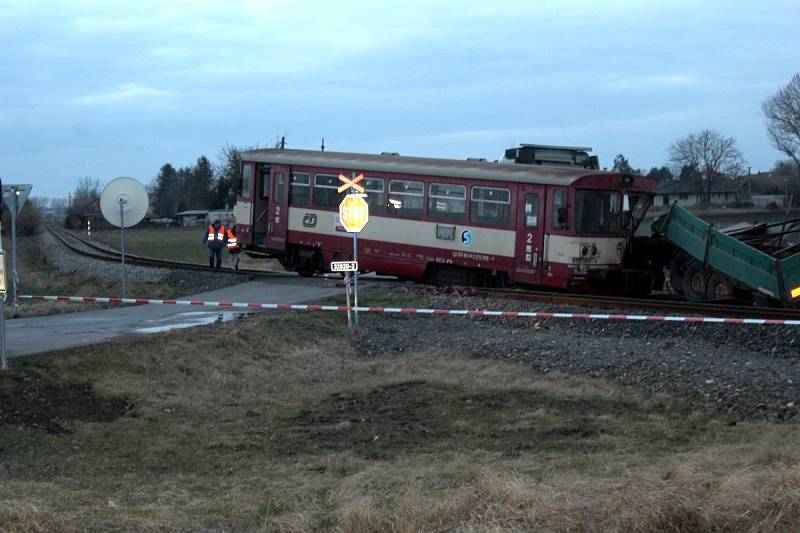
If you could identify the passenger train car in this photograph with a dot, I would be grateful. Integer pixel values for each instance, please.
(541, 216)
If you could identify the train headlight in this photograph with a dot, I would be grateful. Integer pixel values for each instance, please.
(795, 292)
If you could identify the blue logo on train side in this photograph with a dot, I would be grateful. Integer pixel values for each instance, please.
(466, 237)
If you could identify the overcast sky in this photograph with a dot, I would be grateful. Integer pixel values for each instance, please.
(105, 89)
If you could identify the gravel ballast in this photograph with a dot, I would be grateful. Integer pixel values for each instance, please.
(747, 371)
(63, 260)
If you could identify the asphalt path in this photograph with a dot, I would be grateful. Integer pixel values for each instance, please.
(34, 335)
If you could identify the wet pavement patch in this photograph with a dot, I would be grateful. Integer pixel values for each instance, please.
(35, 403)
(418, 416)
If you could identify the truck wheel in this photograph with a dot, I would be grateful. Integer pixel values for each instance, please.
(677, 272)
(719, 287)
(695, 281)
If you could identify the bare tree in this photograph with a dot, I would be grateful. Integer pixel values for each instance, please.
(711, 155)
(782, 113)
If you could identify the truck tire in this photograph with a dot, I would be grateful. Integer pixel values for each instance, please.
(677, 271)
(695, 281)
(719, 287)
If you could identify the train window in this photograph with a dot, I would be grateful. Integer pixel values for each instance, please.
(638, 204)
(559, 208)
(247, 176)
(447, 202)
(325, 194)
(490, 205)
(598, 212)
(277, 192)
(531, 210)
(299, 188)
(264, 183)
(406, 198)
(374, 188)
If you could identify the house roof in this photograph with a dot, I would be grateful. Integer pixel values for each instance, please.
(771, 182)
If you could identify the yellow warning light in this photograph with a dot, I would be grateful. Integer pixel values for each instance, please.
(795, 292)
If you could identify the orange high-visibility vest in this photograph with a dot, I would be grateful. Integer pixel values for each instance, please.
(218, 236)
(232, 242)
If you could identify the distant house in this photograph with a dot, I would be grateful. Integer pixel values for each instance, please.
(769, 189)
(223, 215)
(192, 218)
(724, 191)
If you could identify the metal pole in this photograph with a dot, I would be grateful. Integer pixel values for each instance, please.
(3, 363)
(355, 258)
(355, 277)
(14, 211)
(347, 293)
(122, 244)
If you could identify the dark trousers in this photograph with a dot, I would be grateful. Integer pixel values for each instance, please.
(214, 257)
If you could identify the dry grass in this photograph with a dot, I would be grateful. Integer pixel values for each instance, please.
(38, 277)
(267, 424)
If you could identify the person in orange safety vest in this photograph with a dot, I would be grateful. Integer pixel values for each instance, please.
(234, 248)
(215, 239)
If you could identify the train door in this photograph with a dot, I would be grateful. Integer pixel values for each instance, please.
(530, 231)
(278, 207)
(260, 205)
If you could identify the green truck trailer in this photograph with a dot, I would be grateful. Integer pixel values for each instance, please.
(752, 263)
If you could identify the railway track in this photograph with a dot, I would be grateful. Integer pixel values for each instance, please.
(657, 304)
(661, 305)
(104, 253)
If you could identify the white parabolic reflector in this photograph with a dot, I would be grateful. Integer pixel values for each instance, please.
(133, 197)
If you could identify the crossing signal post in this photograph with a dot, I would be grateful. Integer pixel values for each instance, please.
(354, 215)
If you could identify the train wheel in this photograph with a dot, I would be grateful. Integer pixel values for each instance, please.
(677, 272)
(719, 287)
(695, 281)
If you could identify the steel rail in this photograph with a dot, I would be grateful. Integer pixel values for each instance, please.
(111, 255)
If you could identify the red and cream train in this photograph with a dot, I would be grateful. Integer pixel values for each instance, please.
(541, 216)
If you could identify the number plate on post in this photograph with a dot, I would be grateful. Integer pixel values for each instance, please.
(344, 266)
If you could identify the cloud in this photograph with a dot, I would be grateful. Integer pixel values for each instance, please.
(554, 132)
(125, 93)
(652, 81)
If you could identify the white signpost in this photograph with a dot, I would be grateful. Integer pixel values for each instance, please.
(14, 197)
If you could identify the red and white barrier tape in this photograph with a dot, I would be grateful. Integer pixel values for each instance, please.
(410, 310)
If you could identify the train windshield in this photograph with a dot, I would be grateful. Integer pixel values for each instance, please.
(638, 204)
(598, 212)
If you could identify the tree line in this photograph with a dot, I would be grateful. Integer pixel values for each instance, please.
(200, 186)
(702, 159)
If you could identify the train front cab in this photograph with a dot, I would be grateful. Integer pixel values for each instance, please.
(574, 237)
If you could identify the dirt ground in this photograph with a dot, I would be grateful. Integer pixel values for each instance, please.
(33, 402)
(287, 422)
(420, 417)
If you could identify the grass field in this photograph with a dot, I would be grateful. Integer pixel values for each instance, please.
(176, 244)
(260, 425)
